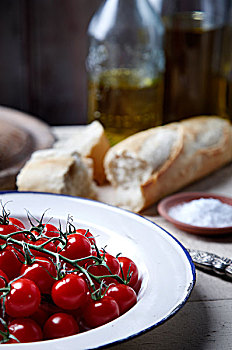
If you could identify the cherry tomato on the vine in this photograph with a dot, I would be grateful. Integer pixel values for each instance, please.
(14, 225)
(41, 271)
(97, 313)
(124, 295)
(112, 263)
(44, 311)
(11, 261)
(129, 268)
(60, 325)
(3, 279)
(78, 246)
(102, 270)
(48, 246)
(51, 231)
(25, 330)
(23, 299)
(99, 271)
(70, 292)
(17, 223)
(87, 234)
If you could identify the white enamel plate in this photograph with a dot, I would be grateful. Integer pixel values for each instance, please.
(166, 269)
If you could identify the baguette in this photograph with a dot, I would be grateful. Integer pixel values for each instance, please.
(90, 142)
(154, 163)
(56, 171)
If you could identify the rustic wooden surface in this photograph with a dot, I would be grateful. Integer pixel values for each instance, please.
(204, 323)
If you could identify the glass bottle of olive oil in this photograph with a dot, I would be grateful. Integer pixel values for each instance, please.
(197, 46)
(125, 67)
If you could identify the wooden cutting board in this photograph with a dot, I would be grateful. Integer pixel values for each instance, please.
(20, 135)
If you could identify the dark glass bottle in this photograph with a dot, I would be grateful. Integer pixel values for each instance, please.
(195, 61)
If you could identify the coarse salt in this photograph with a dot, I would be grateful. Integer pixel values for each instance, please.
(203, 212)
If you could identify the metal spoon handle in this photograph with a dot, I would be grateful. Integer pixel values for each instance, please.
(212, 263)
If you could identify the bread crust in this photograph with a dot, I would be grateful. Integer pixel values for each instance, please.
(97, 154)
(204, 146)
(56, 172)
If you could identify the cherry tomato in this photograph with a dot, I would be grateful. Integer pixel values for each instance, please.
(11, 261)
(3, 280)
(101, 270)
(70, 292)
(40, 316)
(129, 267)
(78, 246)
(14, 225)
(17, 223)
(23, 299)
(124, 295)
(51, 231)
(48, 230)
(25, 330)
(60, 325)
(100, 312)
(44, 311)
(138, 286)
(40, 272)
(49, 246)
(112, 263)
(88, 234)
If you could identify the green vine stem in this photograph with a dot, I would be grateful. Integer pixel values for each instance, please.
(40, 248)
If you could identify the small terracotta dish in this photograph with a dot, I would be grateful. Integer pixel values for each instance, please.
(183, 197)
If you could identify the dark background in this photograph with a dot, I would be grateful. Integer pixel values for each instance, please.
(43, 46)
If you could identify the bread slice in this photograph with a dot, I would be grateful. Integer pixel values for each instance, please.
(154, 163)
(90, 142)
(56, 171)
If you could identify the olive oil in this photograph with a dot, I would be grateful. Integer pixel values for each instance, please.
(194, 69)
(125, 101)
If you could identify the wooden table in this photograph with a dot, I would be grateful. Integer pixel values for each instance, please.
(205, 321)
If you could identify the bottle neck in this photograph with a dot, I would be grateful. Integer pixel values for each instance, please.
(127, 7)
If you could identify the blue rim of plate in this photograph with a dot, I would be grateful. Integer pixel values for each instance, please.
(193, 270)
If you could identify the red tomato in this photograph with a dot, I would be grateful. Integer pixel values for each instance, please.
(100, 312)
(138, 286)
(3, 280)
(40, 272)
(129, 267)
(88, 234)
(101, 270)
(124, 295)
(51, 231)
(44, 311)
(112, 263)
(49, 246)
(40, 316)
(78, 246)
(23, 299)
(25, 330)
(60, 325)
(11, 261)
(10, 228)
(17, 223)
(70, 292)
